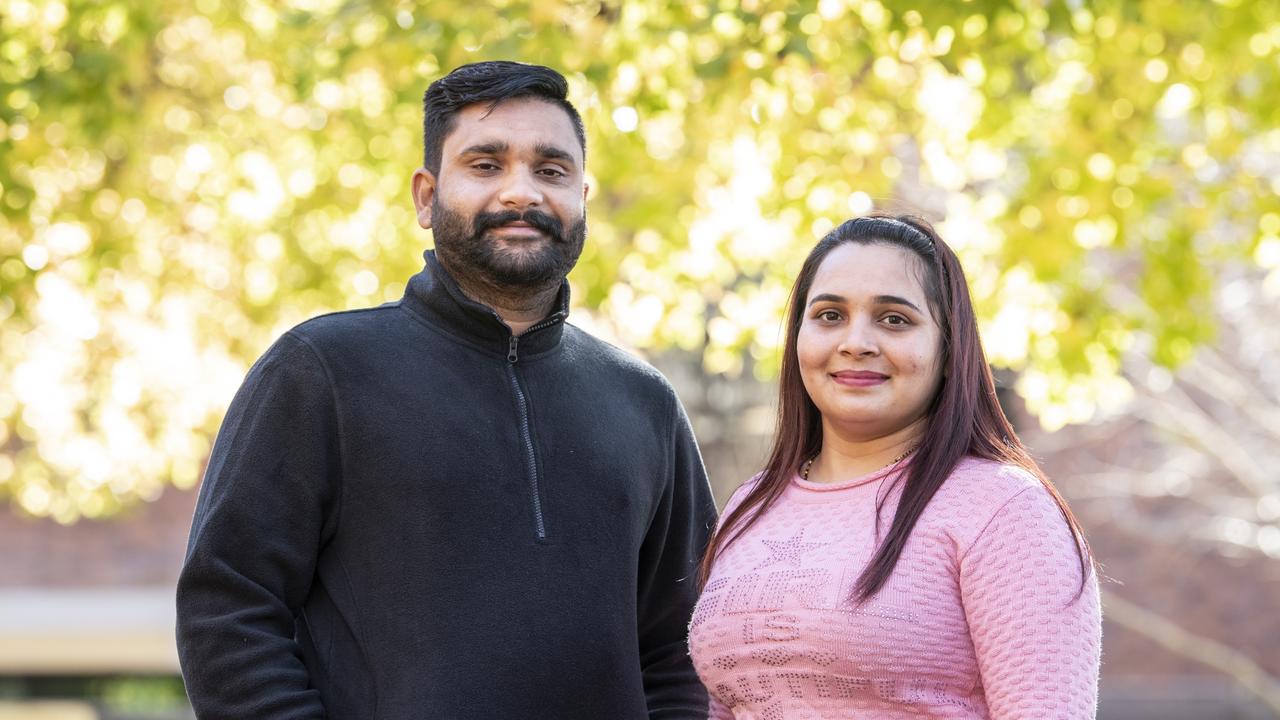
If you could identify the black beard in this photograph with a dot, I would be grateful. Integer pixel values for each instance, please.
(465, 248)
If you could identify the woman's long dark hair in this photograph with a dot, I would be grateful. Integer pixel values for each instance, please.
(964, 418)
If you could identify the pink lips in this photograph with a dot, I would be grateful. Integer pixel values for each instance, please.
(858, 378)
(519, 228)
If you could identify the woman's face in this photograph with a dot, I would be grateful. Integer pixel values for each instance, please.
(869, 348)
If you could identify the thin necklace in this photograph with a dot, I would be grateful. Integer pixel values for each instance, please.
(808, 464)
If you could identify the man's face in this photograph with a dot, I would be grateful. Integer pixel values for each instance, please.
(509, 202)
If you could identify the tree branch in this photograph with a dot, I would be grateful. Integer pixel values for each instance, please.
(1178, 414)
(1182, 642)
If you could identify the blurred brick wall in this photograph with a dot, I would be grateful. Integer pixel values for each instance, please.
(142, 547)
(1234, 600)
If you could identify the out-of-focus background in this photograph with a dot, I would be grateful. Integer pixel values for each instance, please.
(182, 181)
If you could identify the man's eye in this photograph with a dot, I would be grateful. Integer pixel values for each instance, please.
(485, 166)
(552, 172)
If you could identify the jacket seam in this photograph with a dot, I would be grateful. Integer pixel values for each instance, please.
(337, 415)
(342, 485)
(673, 439)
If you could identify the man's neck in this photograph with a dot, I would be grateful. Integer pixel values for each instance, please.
(519, 308)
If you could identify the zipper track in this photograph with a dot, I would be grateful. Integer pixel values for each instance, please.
(513, 356)
(530, 463)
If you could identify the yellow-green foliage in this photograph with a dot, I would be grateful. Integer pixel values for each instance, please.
(180, 181)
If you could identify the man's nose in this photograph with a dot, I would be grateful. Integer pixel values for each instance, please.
(520, 189)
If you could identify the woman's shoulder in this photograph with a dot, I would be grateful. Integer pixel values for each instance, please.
(978, 488)
(740, 493)
(990, 477)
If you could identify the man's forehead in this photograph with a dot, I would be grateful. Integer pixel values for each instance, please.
(516, 124)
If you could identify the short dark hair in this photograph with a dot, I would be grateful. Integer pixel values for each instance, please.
(488, 82)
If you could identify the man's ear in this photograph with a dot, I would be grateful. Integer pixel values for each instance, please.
(586, 190)
(424, 191)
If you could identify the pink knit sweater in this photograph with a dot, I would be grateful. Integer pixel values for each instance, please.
(980, 618)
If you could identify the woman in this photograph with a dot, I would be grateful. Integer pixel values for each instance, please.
(900, 555)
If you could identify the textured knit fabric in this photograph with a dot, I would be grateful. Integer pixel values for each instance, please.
(407, 514)
(980, 618)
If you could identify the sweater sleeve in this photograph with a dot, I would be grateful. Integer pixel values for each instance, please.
(266, 506)
(1037, 636)
(667, 585)
(719, 711)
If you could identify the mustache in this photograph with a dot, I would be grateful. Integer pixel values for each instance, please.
(548, 224)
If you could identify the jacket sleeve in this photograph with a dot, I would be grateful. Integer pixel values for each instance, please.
(1037, 636)
(266, 506)
(667, 586)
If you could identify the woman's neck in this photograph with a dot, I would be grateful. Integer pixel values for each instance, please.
(844, 457)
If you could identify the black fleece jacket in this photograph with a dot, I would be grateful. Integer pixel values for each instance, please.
(409, 513)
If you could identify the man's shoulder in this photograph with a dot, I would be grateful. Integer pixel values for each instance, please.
(347, 327)
(331, 337)
(589, 350)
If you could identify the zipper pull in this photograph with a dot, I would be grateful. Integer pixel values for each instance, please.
(511, 349)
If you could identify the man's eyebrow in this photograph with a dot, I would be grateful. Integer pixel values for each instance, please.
(546, 151)
(497, 147)
(554, 152)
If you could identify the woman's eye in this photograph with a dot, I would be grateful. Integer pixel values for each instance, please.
(829, 316)
(896, 320)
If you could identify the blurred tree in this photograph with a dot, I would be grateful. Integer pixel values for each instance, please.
(182, 180)
(1189, 465)
(1196, 465)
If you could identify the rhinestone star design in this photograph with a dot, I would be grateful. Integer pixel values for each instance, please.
(789, 551)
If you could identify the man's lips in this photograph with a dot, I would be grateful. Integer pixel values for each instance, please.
(527, 225)
(518, 228)
(858, 378)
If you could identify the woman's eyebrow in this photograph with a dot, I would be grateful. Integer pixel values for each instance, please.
(826, 297)
(895, 300)
(879, 300)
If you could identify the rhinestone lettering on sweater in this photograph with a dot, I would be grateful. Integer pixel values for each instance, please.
(981, 617)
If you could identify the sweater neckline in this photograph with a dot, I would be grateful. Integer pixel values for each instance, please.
(856, 482)
(435, 296)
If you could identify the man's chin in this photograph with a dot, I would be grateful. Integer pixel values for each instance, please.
(525, 268)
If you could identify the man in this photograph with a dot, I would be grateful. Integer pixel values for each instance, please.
(455, 505)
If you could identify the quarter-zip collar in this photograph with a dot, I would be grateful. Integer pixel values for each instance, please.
(434, 295)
